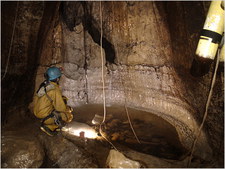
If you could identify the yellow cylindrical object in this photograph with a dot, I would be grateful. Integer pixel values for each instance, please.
(222, 54)
(212, 31)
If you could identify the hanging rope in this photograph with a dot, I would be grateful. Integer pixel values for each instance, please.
(125, 105)
(103, 82)
(11, 42)
(206, 107)
(131, 126)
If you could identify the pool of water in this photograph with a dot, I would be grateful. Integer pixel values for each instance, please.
(157, 137)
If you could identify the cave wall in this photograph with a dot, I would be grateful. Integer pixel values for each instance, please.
(191, 18)
(18, 67)
(145, 65)
(148, 48)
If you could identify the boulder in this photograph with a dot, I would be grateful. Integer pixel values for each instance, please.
(21, 152)
(117, 160)
(66, 154)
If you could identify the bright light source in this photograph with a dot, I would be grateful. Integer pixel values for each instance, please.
(87, 133)
(75, 128)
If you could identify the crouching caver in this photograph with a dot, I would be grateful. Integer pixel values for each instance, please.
(49, 104)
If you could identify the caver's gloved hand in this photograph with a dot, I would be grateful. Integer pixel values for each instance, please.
(67, 116)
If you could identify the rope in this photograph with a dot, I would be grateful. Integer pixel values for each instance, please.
(131, 125)
(100, 130)
(103, 82)
(206, 107)
(11, 42)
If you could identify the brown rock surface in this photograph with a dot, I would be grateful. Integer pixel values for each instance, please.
(21, 149)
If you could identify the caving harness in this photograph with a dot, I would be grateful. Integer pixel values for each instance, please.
(43, 89)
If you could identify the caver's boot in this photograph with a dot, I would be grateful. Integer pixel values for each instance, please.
(48, 131)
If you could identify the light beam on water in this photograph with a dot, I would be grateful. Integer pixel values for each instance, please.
(76, 128)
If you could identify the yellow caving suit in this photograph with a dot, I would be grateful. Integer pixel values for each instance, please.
(45, 104)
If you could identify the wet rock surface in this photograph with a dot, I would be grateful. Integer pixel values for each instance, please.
(29, 147)
(65, 154)
(215, 114)
(98, 149)
(21, 151)
(20, 147)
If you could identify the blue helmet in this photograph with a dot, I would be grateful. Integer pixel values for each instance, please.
(53, 73)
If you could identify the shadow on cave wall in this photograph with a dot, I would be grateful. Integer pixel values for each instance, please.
(75, 13)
